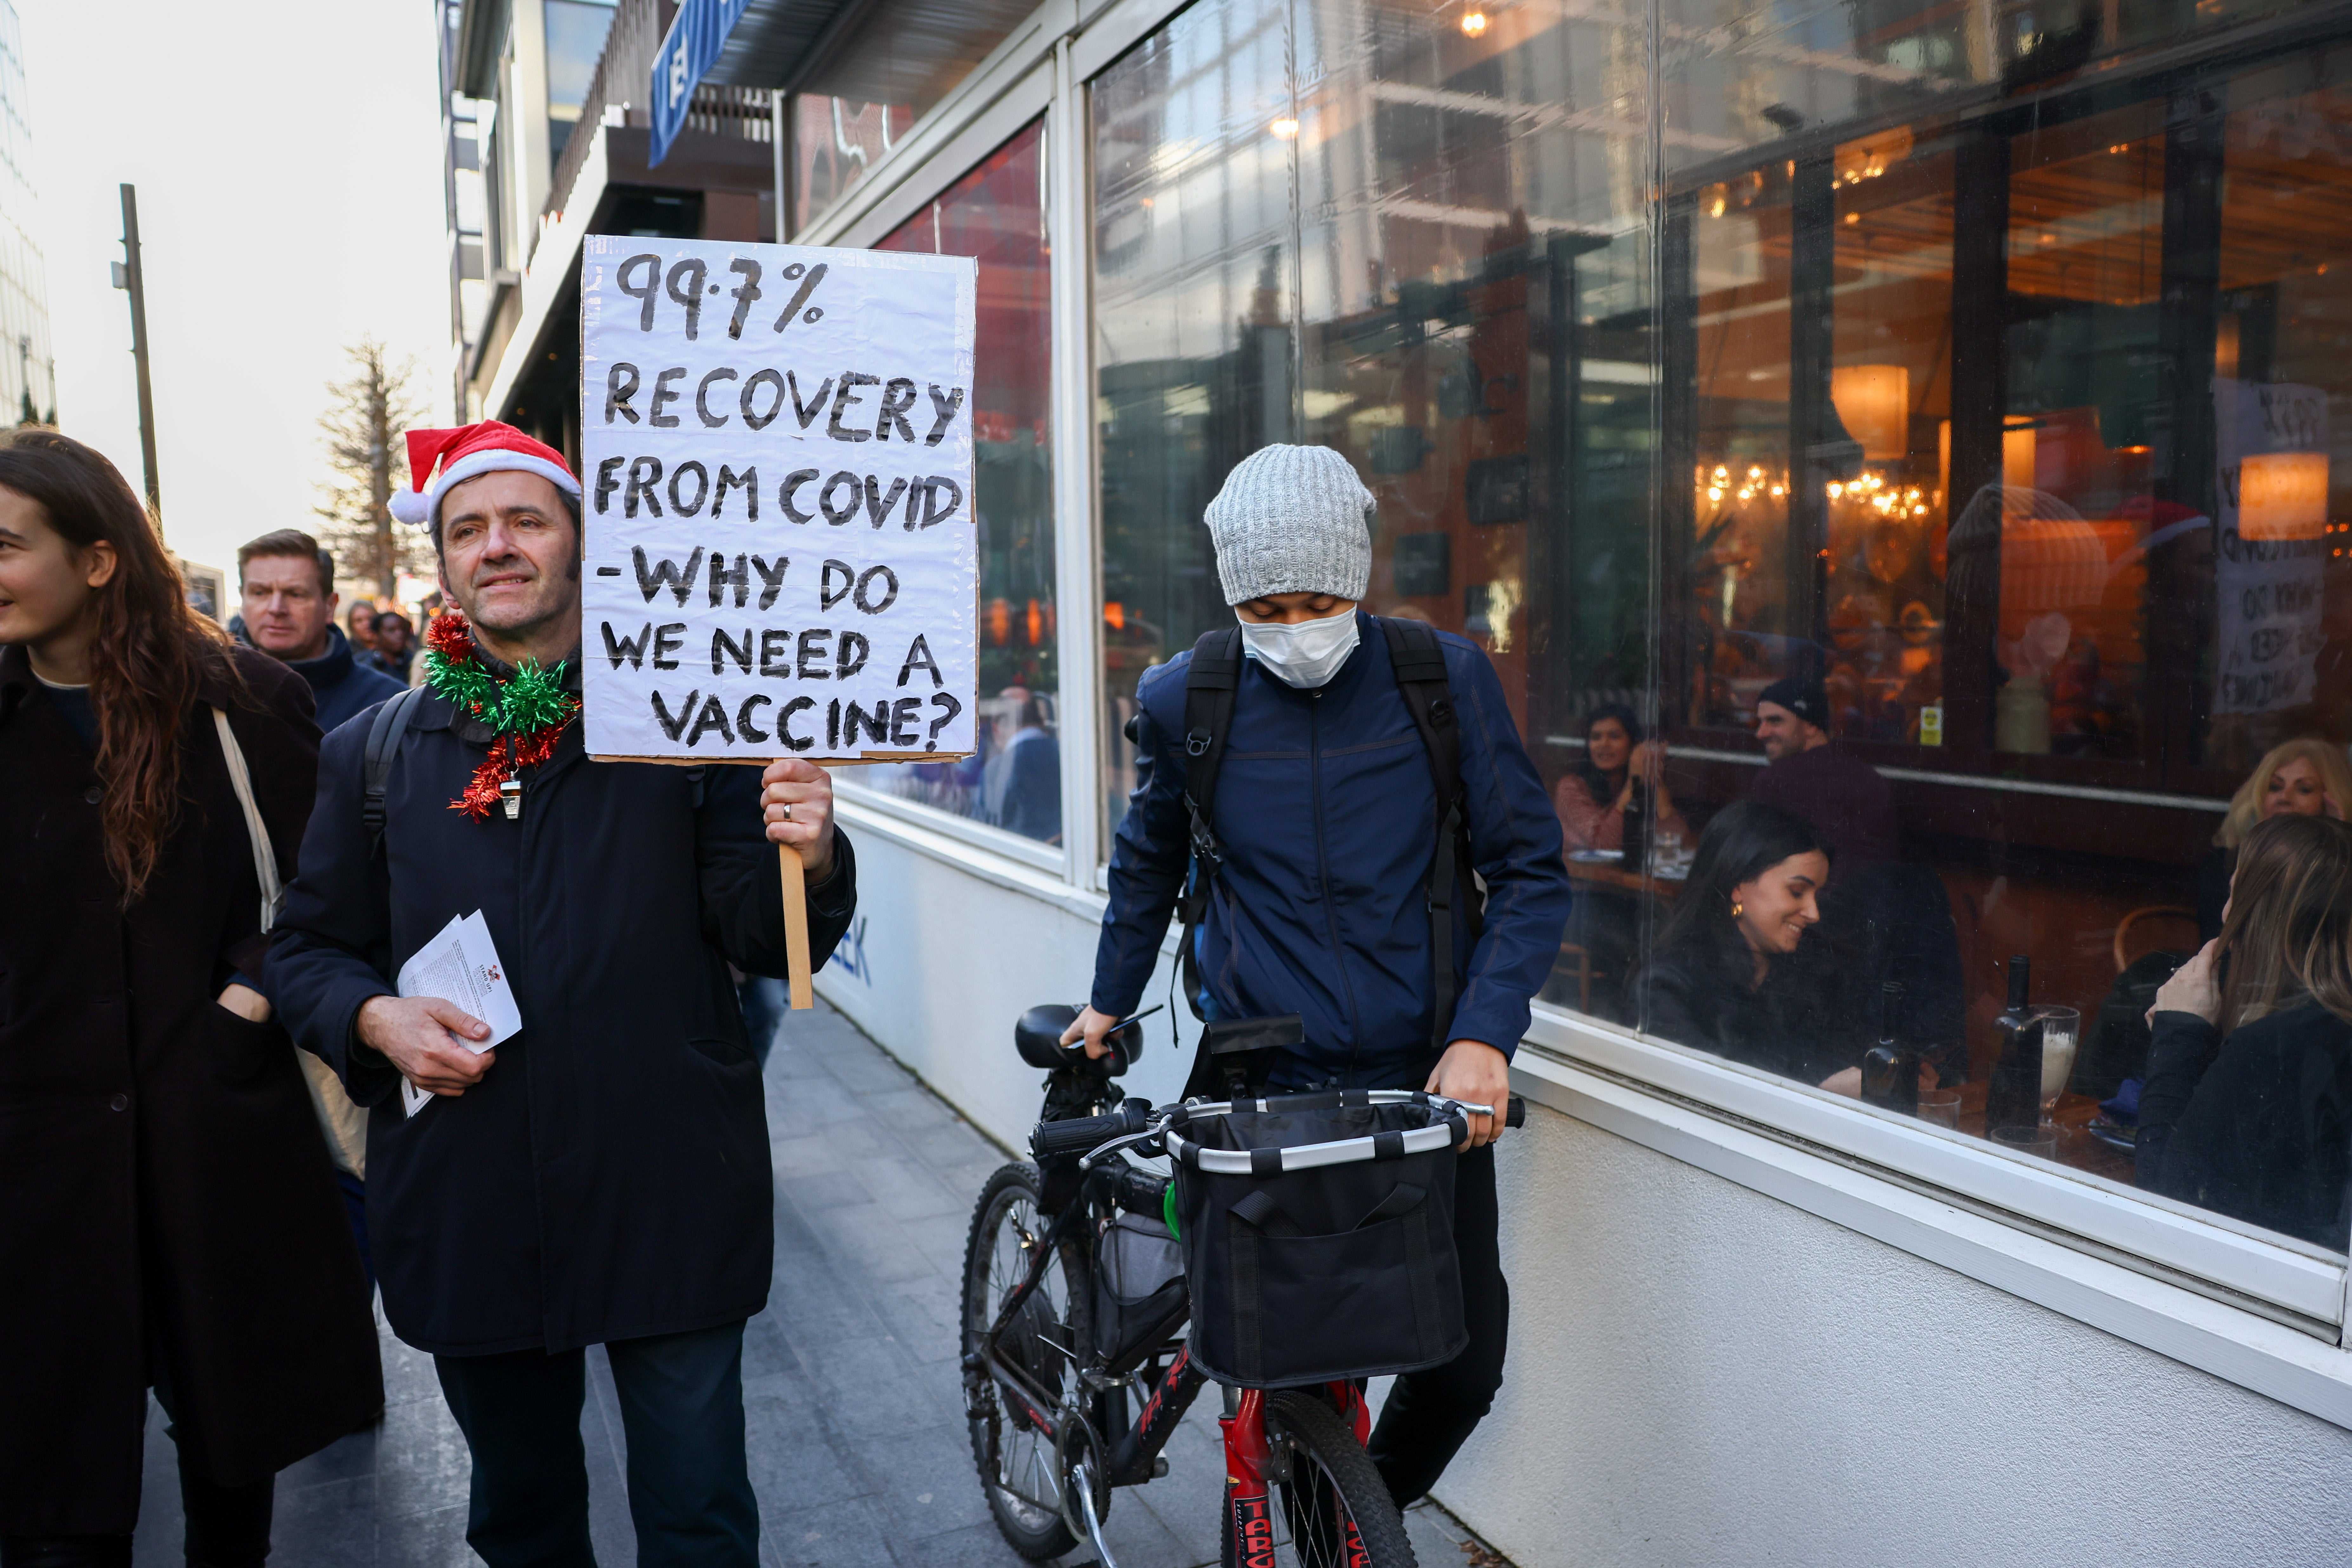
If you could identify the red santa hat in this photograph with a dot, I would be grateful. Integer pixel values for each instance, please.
(469, 452)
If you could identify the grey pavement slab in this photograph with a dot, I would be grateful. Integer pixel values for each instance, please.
(853, 1408)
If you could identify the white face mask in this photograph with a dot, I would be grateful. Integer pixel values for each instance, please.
(1305, 654)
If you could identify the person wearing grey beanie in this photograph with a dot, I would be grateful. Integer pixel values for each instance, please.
(1326, 898)
(1294, 537)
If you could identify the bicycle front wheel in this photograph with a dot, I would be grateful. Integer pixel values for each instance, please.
(1334, 1511)
(1018, 1469)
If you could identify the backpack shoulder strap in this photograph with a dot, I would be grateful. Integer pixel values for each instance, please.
(384, 731)
(1209, 682)
(1418, 659)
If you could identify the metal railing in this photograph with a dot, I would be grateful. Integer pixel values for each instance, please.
(623, 72)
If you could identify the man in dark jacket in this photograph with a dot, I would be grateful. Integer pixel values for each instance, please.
(601, 1176)
(1326, 808)
(289, 586)
(1842, 795)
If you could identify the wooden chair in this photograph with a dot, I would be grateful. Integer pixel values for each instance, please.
(1578, 965)
(2123, 955)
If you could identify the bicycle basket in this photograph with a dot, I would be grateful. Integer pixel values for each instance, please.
(1318, 1237)
(1139, 1297)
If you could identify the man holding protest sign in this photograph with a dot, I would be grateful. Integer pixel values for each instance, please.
(601, 1176)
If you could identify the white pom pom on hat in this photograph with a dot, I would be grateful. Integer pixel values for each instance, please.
(468, 452)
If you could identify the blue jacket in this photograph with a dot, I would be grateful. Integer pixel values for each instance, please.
(340, 684)
(1327, 811)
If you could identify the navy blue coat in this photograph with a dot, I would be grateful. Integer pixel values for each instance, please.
(341, 683)
(608, 1179)
(1327, 811)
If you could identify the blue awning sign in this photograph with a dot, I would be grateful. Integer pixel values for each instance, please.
(688, 52)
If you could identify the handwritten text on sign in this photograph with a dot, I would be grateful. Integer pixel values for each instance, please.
(780, 549)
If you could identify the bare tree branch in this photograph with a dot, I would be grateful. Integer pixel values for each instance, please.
(361, 429)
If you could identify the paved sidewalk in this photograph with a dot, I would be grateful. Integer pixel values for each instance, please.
(857, 1439)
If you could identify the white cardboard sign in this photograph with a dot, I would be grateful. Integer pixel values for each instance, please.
(780, 540)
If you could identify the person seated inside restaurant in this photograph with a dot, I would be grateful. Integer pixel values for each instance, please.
(1842, 795)
(1591, 800)
(1591, 796)
(1733, 972)
(2247, 1108)
(2307, 777)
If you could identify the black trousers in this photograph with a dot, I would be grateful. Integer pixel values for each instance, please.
(227, 1527)
(1431, 1413)
(682, 1409)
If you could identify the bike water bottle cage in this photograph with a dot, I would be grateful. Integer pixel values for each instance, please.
(1417, 659)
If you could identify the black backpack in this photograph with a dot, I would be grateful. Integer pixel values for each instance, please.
(1418, 661)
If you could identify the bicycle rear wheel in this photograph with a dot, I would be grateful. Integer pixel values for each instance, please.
(1017, 1467)
(1334, 1511)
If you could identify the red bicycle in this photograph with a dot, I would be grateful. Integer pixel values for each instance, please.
(1076, 1368)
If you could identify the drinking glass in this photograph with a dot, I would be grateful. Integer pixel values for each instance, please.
(2061, 1031)
(1940, 1108)
(2041, 1142)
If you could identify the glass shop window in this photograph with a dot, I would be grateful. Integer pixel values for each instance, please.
(997, 213)
(2005, 560)
(885, 75)
(1412, 233)
(1925, 477)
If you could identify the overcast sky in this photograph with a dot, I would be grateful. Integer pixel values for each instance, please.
(288, 157)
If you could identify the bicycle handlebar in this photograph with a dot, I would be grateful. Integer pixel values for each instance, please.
(1080, 1135)
(1083, 1134)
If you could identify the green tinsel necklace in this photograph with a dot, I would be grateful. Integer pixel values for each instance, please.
(527, 713)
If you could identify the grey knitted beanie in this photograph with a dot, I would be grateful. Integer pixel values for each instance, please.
(1292, 520)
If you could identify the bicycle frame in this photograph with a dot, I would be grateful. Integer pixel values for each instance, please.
(1251, 1469)
(1252, 1464)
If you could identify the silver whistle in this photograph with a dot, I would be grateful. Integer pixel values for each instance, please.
(511, 796)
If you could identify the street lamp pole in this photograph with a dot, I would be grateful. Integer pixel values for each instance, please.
(131, 274)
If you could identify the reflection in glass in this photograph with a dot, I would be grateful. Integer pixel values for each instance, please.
(887, 72)
(576, 42)
(1328, 223)
(1973, 368)
(997, 213)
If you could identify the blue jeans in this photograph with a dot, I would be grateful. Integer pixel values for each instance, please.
(764, 1001)
(682, 1409)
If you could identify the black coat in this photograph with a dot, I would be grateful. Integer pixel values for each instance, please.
(609, 1178)
(167, 1186)
(2259, 1126)
(1701, 994)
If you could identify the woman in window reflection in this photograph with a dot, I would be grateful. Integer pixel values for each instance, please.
(2247, 1109)
(1591, 798)
(2306, 778)
(1731, 974)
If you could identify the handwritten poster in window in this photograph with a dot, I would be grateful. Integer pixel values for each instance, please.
(2271, 448)
(777, 452)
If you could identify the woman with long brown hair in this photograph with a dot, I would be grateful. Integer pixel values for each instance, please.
(171, 1220)
(2247, 1107)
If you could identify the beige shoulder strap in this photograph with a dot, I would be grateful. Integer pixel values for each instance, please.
(265, 862)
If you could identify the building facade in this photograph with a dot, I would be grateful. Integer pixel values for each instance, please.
(1977, 362)
(29, 387)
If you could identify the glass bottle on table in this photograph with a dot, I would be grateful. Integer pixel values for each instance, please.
(1637, 824)
(1890, 1074)
(2013, 1096)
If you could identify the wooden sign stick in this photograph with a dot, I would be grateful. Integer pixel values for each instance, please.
(796, 935)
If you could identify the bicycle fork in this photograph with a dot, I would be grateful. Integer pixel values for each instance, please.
(1251, 1465)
